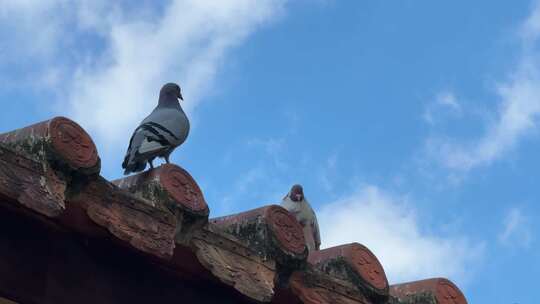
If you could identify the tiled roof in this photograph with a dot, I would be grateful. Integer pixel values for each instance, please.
(67, 234)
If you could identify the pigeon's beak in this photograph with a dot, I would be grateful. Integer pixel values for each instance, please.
(180, 96)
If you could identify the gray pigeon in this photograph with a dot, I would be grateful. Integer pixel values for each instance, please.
(296, 203)
(166, 128)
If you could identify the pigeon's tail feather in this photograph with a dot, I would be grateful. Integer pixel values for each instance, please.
(148, 141)
(126, 161)
(131, 164)
(133, 167)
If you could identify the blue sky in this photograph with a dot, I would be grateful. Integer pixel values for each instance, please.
(413, 125)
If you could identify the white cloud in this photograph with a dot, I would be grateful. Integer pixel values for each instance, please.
(447, 98)
(34, 36)
(328, 173)
(516, 229)
(273, 147)
(519, 111)
(110, 85)
(531, 27)
(388, 225)
(445, 102)
(185, 44)
(517, 115)
(244, 186)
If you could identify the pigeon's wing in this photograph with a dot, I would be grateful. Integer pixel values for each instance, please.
(316, 233)
(130, 164)
(163, 129)
(171, 125)
(133, 161)
(148, 141)
(156, 138)
(315, 227)
(157, 135)
(150, 138)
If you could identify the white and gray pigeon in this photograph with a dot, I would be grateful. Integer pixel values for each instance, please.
(296, 203)
(166, 128)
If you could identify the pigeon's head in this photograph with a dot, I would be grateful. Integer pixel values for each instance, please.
(171, 90)
(297, 193)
